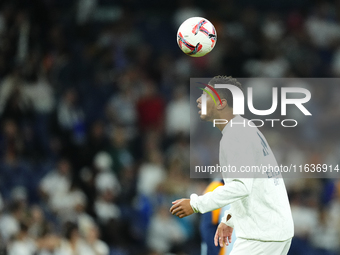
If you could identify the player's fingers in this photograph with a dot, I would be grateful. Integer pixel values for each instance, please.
(176, 210)
(216, 238)
(221, 242)
(182, 215)
(175, 202)
(229, 239)
(226, 241)
(180, 212)
(221, 239)
(174, 207)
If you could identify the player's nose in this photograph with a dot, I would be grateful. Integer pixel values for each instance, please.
(198, 100)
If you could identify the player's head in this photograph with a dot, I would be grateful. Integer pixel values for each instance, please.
(218, 110)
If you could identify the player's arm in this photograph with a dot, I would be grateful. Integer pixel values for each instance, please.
(238, 155)
(220, 197)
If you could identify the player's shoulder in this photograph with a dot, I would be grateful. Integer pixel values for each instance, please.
(240, 128)
(241, 136)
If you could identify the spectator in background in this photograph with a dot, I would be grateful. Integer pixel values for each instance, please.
(19, 194)
(187, 9)
(164, 241)
(177, 182)
(36, 87)
(10, 221)
(92, 238)
(68, 206)
(22, 244)
(125, 116)
(177, 113)
(105, 178)
(49, 244)
(11, 140)
(150, 108)
(56, 184)
(305, 221)
(73, 244)
(83, 219)
(109, 217)
(151, 174)
(96, 141)
(85, 10)
(325, 236)
(38, 224)
(321, 27)
(105, 207)
(14, 103)
(15, 171)
(40, 93)
(71, 117)
(272, 65)
(179, 151)
(120, 153)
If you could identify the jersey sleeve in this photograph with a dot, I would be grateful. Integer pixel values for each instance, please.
(221, 196)
(229, 222)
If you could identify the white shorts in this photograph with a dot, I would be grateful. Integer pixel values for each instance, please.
(253, 247)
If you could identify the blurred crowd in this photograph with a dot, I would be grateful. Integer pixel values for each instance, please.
(94, 115)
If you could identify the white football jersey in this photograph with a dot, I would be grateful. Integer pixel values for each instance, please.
(260, 208)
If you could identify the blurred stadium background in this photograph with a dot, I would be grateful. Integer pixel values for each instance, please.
(94, 140)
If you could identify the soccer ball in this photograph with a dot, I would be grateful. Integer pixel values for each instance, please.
(196, 37)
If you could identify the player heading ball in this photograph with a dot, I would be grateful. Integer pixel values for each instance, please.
(260, 209)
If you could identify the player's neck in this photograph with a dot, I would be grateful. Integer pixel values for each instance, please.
(225, 116)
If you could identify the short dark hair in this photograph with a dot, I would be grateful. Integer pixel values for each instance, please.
(225, 93)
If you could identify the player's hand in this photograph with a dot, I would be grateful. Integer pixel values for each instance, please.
(181, 208)
(223, 235)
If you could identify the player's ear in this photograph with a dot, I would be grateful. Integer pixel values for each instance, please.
(223, 105)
